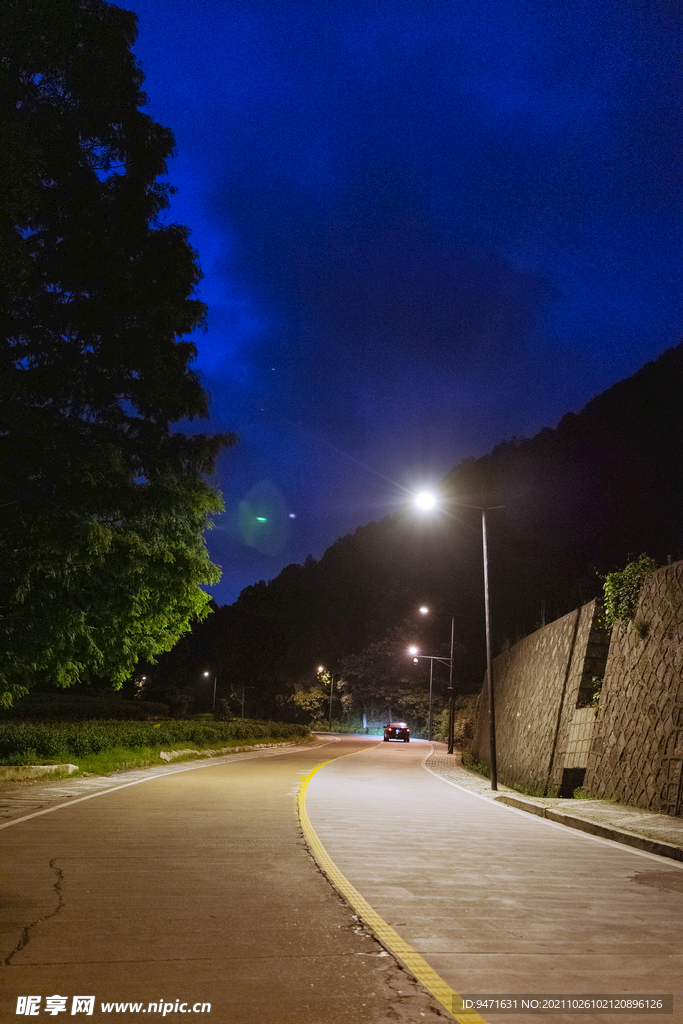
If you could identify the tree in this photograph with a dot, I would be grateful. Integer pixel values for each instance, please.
(102, 505)
(311, 699)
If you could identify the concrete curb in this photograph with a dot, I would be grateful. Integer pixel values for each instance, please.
(16, 772)
(595, 829)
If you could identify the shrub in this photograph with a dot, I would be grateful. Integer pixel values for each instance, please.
(621, 590)
(59, 741)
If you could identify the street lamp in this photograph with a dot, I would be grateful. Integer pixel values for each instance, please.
(206, 675)
(321, 669)
(427, 501)
(451, 692)
(444, 661)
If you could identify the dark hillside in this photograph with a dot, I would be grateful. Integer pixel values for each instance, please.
(606, 484)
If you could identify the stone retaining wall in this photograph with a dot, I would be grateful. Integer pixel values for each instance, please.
(636, 753)
(630, 747)
(540, 684)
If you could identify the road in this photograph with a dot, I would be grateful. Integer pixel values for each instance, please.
(198, 887)
(498, 901)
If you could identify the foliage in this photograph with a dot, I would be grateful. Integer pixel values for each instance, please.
(351, 724)
(621, 589)
(60, 741)
(102, 506)
(475, 766)
(311, 699)
(464, 723)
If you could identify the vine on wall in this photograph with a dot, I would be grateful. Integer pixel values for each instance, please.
(621, 590)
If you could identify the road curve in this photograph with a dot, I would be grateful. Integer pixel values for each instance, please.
(192, 888)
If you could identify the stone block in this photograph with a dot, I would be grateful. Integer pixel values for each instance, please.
(34, 771)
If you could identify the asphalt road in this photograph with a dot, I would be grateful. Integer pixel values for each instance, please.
(197, 887)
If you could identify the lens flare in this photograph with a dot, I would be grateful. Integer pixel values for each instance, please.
(425, 500)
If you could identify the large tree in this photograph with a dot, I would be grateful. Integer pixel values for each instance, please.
(102, 504)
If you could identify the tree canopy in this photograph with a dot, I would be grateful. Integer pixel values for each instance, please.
(102, 504)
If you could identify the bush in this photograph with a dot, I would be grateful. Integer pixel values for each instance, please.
(60, 741)
(465, 719)
(621, 590)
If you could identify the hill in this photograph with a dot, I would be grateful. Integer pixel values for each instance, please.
(579, 500)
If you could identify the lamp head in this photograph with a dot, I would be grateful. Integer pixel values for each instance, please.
(425, 500)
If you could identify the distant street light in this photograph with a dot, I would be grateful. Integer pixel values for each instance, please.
(321, 669)
(424, 610)
(215, 676)
(422, 501)
(444, 661)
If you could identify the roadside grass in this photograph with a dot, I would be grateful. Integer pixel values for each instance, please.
(100, 747)
(474, 766)
(521, 787)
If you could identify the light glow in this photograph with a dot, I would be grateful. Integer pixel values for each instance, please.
(412, 650)
(425, 500)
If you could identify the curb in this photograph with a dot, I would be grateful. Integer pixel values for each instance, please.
(16, 772)
(592, 827)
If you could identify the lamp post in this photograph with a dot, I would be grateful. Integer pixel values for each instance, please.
(424, 610)
(431, 658)
(427, 501)
(215, 676)
(321, 669)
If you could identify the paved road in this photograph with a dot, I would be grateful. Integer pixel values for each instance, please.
(495, 900)
(197, 886)
(194, 886)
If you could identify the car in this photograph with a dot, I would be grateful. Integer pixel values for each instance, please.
(397, 731)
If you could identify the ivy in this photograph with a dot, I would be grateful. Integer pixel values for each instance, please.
(621, 590)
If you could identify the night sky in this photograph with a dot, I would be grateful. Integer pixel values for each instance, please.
(424, 227)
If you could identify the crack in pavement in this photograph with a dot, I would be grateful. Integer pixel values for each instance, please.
(26, 930)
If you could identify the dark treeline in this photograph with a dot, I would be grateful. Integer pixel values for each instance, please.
(580, 501)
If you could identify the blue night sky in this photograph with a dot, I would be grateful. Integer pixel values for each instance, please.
(424, 227)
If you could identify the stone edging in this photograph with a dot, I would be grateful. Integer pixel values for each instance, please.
(17, 772)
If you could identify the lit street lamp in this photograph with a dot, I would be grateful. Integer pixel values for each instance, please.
(451, 692)
(215, 676)
(427, 501)
(431, 658)
(321, 669)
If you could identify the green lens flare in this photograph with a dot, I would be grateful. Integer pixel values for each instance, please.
(264, 518)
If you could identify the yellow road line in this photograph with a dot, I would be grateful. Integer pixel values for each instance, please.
(419, 967)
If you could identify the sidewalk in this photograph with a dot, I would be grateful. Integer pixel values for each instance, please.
(646, 830)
